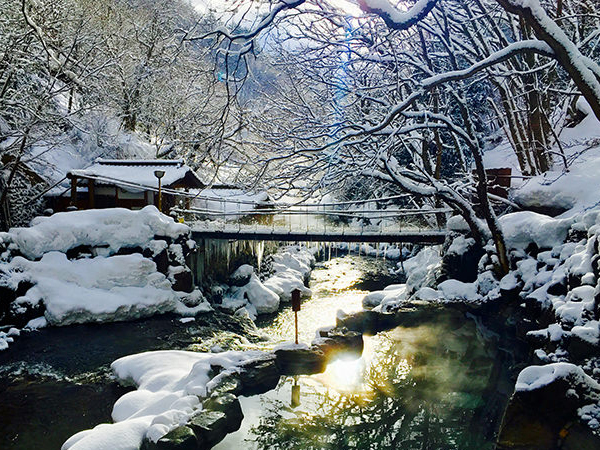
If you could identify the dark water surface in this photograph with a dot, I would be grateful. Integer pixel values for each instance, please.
(437, 386)
(442, 385)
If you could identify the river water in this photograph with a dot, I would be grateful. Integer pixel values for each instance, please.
(437, 386)
(442, 385)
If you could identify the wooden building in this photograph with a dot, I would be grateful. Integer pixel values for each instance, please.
(127, 183)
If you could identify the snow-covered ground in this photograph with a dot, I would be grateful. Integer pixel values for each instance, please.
(556, 266)
(574, 191)
(98, 285)
(291, 266)
(170, 385)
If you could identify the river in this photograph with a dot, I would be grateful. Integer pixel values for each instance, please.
(441, 385)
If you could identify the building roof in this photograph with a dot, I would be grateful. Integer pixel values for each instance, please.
(139, 172)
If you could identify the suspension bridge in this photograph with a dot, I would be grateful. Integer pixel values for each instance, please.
(354, 221)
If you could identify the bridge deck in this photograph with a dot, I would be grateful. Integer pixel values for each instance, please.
(414, 237)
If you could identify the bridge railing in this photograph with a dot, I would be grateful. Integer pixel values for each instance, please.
(303, 221)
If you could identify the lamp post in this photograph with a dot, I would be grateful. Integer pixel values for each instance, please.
(159, 174)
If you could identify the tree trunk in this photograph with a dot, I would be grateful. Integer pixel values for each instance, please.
(565, 51)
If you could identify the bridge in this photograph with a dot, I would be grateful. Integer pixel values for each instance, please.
(305, 224)
(412, 237)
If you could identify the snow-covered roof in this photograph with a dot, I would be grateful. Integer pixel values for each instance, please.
(140, 172)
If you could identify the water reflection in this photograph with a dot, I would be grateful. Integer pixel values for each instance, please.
(333, 286)
(414, 388)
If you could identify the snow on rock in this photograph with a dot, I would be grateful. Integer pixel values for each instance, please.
(535, 377)
(256, 293)
(392, 295)
(458, 224)
(169, 386)
(100, 286)
(294, 257)
(96, 289)
(460, 245)
(118, 436)
(577, 190)
(291, 266)
(578, 301)
(115, 228)
(525, 227)
(421, 266)
(283, 283)
(429, 294)
(590, 332)
(457, 290)
(509, 282)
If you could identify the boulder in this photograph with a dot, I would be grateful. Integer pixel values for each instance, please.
(461, 259)
(210, 427)
(227, 384)
(258, 376)
(228, 404)
(368, 322)
(162, 262)
(183, 281)
(300, 361)
(241, 277)
(339, 341)
(181, 438)
(544, 405)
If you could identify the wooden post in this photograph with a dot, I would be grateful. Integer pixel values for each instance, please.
(91, 194)
(296, 308)
(73, 191)
(159, 196)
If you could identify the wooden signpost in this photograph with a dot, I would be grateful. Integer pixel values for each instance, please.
(296, 308)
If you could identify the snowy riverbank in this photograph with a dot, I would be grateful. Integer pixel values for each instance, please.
(95, 266)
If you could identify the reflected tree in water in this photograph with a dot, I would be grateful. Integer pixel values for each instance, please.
(423, 390)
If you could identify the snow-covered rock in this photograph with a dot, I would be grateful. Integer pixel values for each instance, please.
(535, 377)
(457, 290)
(114, 228)
(525, 227)
(97, 289)
(419, 269)
(169, 386)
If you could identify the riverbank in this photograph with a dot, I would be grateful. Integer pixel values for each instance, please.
(551, 296)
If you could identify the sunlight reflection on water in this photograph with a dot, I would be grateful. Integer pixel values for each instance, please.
(411, 385)
(331, 284)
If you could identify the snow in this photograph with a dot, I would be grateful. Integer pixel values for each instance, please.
(105, 287)
(526, 227)
(187, 319)
(290, 345)
(97, 289)
(578, 301)
(419, 268)
(536, 377)
(291, 266)
(115, 228)
(140, 172)
(590, 332)
(391, 295)
(38, 322)
(578, 189)
(460, 245)
(457, 290)
(261, 297)
(457, 223)
(509, 282)
(169, 386)
(429, 294)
